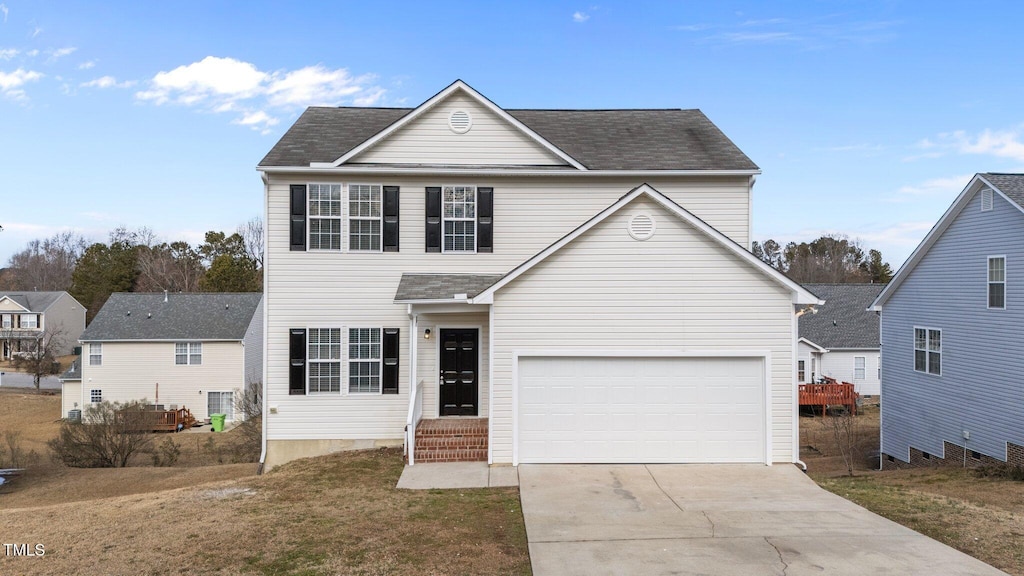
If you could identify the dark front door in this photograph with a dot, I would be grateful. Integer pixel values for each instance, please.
(459, 371)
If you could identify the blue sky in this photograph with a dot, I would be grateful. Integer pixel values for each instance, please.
(867, 118)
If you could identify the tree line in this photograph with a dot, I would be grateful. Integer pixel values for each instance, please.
(827, 260)
(137, 261)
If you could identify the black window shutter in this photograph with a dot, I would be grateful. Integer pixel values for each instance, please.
(390, 372)
(433, 228)
(485, 219)
(390, 219)
(297, 362)
(298, 216)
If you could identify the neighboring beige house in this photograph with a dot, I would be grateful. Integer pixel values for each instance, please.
(569, 285)
(195, 351)
(28, 317)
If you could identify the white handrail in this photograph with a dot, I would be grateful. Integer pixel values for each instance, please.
(415, 415)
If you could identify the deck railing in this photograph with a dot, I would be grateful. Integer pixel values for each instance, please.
(829, 394)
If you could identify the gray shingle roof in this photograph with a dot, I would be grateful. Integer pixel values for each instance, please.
(843, 321)
(1010, 184)
(598, 139)
(34, 301)
(74, 372)
(145, 316)
(414, 287)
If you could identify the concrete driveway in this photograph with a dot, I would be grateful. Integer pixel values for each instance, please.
(714, 519)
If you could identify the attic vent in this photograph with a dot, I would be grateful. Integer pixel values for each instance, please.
(986, 199)
(641, 227)
(460, 121)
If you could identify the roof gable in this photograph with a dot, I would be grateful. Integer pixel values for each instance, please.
(32, 301)
(529, 146)
(800, 294)
(844, 320)
(160, 316)
(1010, 187)
(13, 303)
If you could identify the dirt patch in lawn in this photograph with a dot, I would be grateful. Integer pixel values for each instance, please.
(983, 517)
(338, 514)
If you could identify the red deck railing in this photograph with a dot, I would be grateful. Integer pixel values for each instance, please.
(831, 393)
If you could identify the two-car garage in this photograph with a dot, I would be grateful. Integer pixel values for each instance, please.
(651, 409)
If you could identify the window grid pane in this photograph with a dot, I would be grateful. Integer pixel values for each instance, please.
(364, 213)
(364, 351)
(459, 205)
(928, 350)
(997, 282)
(325, 216)
(324, 355)
(95, 354)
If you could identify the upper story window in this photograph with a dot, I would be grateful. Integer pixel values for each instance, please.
(364, 359)
(364, 217)
(459, 209)
(324, 216)
(928, 350)
(95, 354)
(997, 282)
(5, 321)
(859, 367)
(29, 321)
(188, 353)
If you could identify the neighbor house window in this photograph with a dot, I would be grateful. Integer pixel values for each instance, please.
(325, 216)
(221, 403)
(928, 350)
(364, 360)
(997, 282)
(188, 353)
(459, 214)
(324, 359)
(29, 321)
(364, 217)
(858, 367)
(95, 354)
(6, 321)
(95, 396)
(800, 370)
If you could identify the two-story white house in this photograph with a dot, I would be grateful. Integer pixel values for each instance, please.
(539, 285)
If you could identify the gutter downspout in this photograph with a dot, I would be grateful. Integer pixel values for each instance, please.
(266, 339)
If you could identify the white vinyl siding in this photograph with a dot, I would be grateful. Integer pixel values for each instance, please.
(928, 350)
(997, 282)
(429, 140)
(364, 217)
(324, 209)
(188, 353)
(95, 353)
(323, 358)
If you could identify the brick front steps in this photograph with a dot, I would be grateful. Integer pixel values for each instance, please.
(451, 440)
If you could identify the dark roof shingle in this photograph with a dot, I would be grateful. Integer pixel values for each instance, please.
(598, 139)
(843, 321)
(414, 287)
(146, 316)
(33, 301)
(1010, 184)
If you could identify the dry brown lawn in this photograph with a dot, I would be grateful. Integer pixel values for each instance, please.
(339, 514)
(983, 517)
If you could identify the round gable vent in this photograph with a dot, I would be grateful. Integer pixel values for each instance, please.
(641, 227)
(460, 121)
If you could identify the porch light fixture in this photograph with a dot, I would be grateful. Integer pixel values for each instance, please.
(426, 334)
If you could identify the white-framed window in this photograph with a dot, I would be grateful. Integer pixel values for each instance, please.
(95, 396)
(5, 321)
(928, 350)
(859, 367)
(323, 357)
(221, 403)
(29, 321)
(458, 215)
(800, 371)
(95, 354)
(364, 360)
(365, 217)
(188, 353)
(997, 282)
(324, 216)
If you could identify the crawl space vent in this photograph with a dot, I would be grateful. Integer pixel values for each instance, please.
(460, 121)
(641, 227)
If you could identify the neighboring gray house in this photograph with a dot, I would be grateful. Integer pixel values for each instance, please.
(27, 317)
(195, 351)
(952, 352)
(554, 286)
(841, 340)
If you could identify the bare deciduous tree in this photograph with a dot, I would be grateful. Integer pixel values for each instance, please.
(41, 359)
(252, 238)
(845, 433)
(108, 436)
(45, 264)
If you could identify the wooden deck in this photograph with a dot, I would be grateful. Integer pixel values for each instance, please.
(830, 393)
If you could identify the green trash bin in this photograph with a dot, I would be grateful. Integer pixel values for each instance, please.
(217, 421)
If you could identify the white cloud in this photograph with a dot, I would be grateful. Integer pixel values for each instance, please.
(227, 85)
(11, 82)
(1006, 143)
(58, 53)
(580, 17)
(8, 53)
(3, 8)
(947, 186)
(107, 82)
(87, 65)
(36, 31)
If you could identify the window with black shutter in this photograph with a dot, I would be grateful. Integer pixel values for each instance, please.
(297, 362)
(298, 217)
(389, 384)
(433, 225)
(459, 219)
(484, 219)
(391, 218)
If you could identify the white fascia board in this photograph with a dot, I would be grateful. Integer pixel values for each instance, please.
(800, 294)
(458, 86)
(933, 236)
(2, 298)
(813, 345)
(330, 169)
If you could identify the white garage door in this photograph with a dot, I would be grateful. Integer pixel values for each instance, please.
(613, 410)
